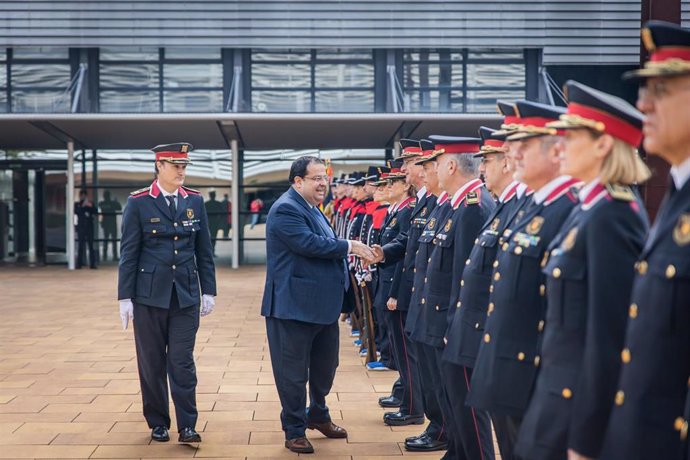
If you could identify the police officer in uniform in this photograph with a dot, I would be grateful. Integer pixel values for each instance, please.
(85, 210)
(166, 266)
(507, 360)
(589, 276)
(647, 420)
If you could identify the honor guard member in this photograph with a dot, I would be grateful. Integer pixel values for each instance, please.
(358, 209)
(467, 327)
(647, 419)
(589, 277)
(471, 205)
(371, 179)
(166, 254)
(507, 360)
(404, 248)
(435, 436)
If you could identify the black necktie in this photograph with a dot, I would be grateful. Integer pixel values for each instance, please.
(171, 205)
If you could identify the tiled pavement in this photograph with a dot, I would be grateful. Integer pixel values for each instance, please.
(69, 388)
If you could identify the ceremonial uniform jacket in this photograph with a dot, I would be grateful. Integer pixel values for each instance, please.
(504, 371)
(647, 419)
(159, 252)
(453, 242)
(589, 278)
(422, 258)
(466, 330)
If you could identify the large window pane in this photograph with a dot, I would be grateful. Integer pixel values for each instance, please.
(290, 55)
(41, 75)
(512, 75)
(281, 101)
(4, 107)
(485, 101)
(129, 75)
(184, 75)
(343, 54)
(129, 101)
(281, 76)
(192, 53)
(344, 101)
(40, 53)
(129, 54)
(348, 75)
(40, 101)
(193, 101)
(423, 101)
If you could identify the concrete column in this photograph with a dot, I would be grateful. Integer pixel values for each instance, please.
(236, 208)
(70, 206)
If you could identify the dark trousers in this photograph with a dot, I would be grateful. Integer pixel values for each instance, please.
(109, 238)
(164, 340)
(507, 428)
(300, 353)
(472, 427)
(383, 343)
(431, 388)
(85, 243)
(406, 363)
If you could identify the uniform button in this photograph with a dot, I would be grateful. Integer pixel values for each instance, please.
(153, 231)
(457, 305)
(487, 338)
(412, 288)
(437, 309)
(175, 251)
(518, 250)
(462, 283)
(567, 393)
(403, 270)
(176, 238)
(497, 276)
(175, 224)
(414, 270)
(495, 263)
(142, 269)
(423, 301)
(620, 398)
(505, 246)
(540, 326)
(428, 260)
(476, 325)
(467, 262)
(537, 360)
(670, 271)
(542, 290)
(633, 311)
(425, 279)
(491, 288)
(625, 355)
(521, 356)
(476, 240)
(556, 272)
(642, 267)
(491, 307)
(173, 267)
(678, 424)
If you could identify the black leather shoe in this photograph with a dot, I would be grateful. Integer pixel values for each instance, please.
(426, 444)
(414, 438)
(160, 434)
(189, 435)
(389, 401)
(400, 419)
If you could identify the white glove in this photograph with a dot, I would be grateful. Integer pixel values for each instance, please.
(207, 304)
(126, 312)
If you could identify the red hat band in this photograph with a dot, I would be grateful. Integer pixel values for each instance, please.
(412, 150)
(493, 143)
(670, 53)
(537, 122)
(457, 148)
(614, 126)
(171, 155)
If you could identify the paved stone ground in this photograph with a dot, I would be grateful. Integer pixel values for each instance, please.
(69, 388)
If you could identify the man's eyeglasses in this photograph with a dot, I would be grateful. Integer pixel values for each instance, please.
(317, 178)
(658, 89)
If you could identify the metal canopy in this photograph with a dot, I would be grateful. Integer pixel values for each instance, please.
(253, 131)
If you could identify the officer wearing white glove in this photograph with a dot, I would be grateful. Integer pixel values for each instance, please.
(126, 312)
(208, 302)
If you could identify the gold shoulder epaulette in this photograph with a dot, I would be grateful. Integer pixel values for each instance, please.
(141, 190)
(620, 192)
(191, 190)
(472, 198)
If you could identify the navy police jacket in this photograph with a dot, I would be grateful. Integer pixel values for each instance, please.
(589, 278)
(305, 271)
(466, 330)
(160, 252)
(506, 364)
(647, 420)
(453, 244)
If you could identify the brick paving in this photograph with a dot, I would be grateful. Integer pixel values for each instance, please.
(69, 388)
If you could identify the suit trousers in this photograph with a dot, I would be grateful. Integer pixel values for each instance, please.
(300, 353)
(164, 340)
(432, 388)
(507, 428)
(406, 363)
(472, 427)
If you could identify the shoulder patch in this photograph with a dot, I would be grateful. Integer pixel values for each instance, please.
(191, 191)
(472, 198)
(141, 191)
(620, 192)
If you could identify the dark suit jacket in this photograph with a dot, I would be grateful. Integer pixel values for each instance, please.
(305, 276)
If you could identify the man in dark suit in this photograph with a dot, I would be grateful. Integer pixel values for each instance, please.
(306, 279)
(165, 254)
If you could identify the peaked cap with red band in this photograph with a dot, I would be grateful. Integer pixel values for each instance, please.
(533, 120)
(491, 142)
(669, 48)
(600, 112)
(427, 151)
(454, 145)
(174, 153)
(410, 148)
(511, 119)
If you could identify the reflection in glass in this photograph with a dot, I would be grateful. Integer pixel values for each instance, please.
(36, 101)
(281, 101)
(4, 107)
(182, 75)
(129, 75)
(344, 101)
(129, 101)
(192, 53)
(510, 75)
(144, 53)
(348, 75)
(325, 54)
(41, 75)
(277, 55)
(281, 75)
(193, 101)
(40, 53)
(485, 101)
(422, 101)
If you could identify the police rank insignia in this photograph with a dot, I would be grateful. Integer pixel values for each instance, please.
(681, 232)
(423, 212)
(190, 213)
(535, 225)
(569, 240)
(432, 223)
(495, 223)
(448, 225)
(393, 222)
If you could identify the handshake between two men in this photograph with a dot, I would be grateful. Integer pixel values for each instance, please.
(369, 254)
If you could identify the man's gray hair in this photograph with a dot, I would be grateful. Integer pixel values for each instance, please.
(467, 164)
